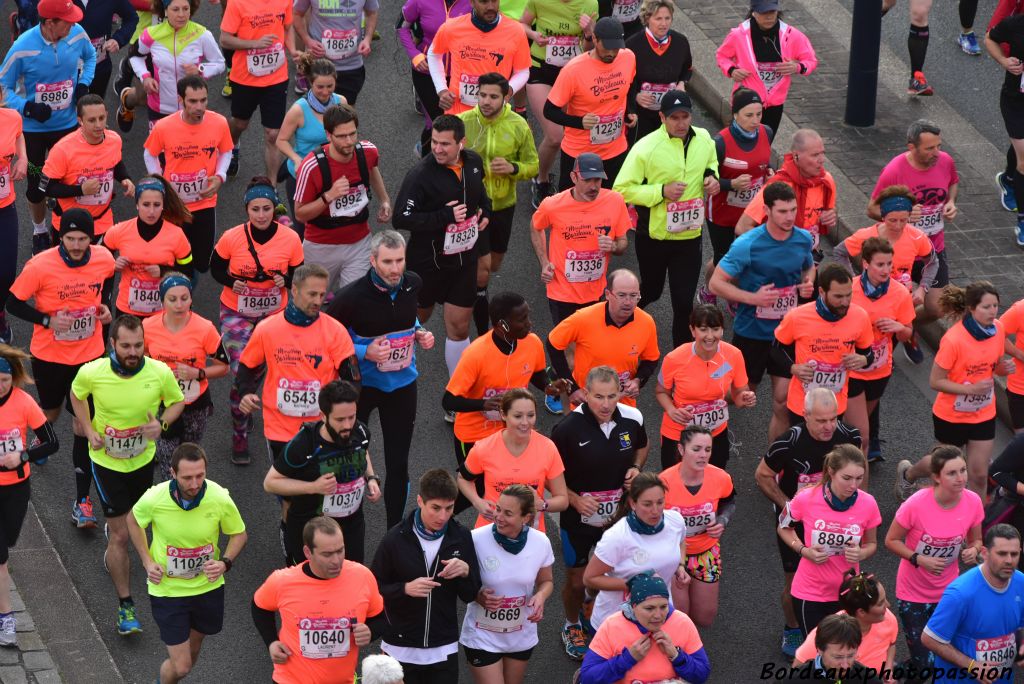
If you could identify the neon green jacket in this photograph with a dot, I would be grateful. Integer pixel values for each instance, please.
(656, 160)
(508, 136)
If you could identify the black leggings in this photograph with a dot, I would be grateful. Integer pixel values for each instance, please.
(9, 252)
(462, 450)
(968, 10)
(424, 86)
(13, 506)
(200, 234)
(397, 412)
(772, 117)
(682, 261)
(102, 78)
(351, 82)
(444, 672)
(810, 613)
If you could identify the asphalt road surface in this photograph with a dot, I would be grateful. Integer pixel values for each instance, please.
(748, 630)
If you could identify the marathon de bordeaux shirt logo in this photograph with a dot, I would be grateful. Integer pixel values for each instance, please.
(830, 345)
(75, 290)
(292, 356)
(609, 83)
(192, 151)
(476, 53)
(258, 21)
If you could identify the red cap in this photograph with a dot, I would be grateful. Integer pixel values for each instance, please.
(60, 9)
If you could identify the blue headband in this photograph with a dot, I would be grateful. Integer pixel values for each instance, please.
(153, 184)
(261, 192)
(644, 586)
(5, 366)
(897, 203)
(174, 281)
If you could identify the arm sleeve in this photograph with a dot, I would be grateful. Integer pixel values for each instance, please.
(24, 311)
(931, 267)
(518, 79)
(1008, 464)
(436, 65)
(266, 623)
(453, 402)
(223, 162)
(726, 508)
(47, 446)
(557, 115)
(693, 667)
(219, 270)
(54, 188)
(152, 162)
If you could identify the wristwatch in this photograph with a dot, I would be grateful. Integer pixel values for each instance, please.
(913, 559)
(373, 477)
(46, 321)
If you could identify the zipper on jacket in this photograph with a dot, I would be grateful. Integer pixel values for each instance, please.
(430, 596)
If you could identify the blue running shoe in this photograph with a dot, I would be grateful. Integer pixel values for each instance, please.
(553, 405)
(1006, 196)
(127, 622)
(969, 44)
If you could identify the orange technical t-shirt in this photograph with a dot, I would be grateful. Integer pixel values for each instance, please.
(299, 360)
(19, 413)
(698, 510)
(825, 343)
(276, 255)
(472, 53)
(580, 267)
(73, 161)
(10, 131)
(317, 616)
(968, 360)
(190, 346)
(586, 85)
(55, 286)
(599, 342)
(897, 304)
(1013, 324)
(191, 153)
(617, 633)
(703, 386)
(138, 292)
(874, 646)
(813, 206)
(251, 20)
(912, 245)
(491, 459)
(484, 371)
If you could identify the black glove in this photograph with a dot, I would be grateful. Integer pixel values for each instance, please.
(80, 90)
(40, 111)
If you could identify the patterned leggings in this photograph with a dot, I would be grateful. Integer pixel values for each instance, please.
(914, 617)
(188, 428)
(236, 330)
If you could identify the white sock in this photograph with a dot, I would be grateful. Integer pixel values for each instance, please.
(453, 352)
(572, 624)
(39, 228)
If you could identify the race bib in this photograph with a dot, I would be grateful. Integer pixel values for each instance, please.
(264, 61)
(561, 49)
(190, 388)
(460, 237)
(657, 90)
(880, 348)
(189, 185)
(493, 392)
(298, 398)
(399, 349)
(769, 74)
(808, 479)
(626, 10)
(102, 196)
(259, 301)
(741, 198)
(931, 221)
(710, 414)
(325, 637)
(346, 499)
(340, 44)
(12, 441)
(972, 403)
(351, 203)
(834, 538)
(828, 375)
(997, 651)
(144, 295)
(57, 95)
(607, 501)
(187, 563)
(607, 129)
(682, 217)
(509, 617)
(584, 266)
(97, 44)
(784, 301)
(83, 325)
(5, 181)
(698, 518)
(124, 443)
(939, 547)
(469, 89)
(906, 279)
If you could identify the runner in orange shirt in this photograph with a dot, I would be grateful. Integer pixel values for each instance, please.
(591, 99)
(824, 341)
(588, 224)
(148, 246)
(13, 167)
(964, 413)
(186, 342)
(330, 607)
(481, 42)
(1013, 326)
(612, 333)
(83, 167)
(703, 494)
(259, 32)
(696, 383)
(70, 285)
(196, 147)
(518, 454)
(891, 310)
(255, 262)
(302, 351)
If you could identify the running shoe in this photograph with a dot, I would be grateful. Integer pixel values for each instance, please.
(1018, 232)
(82, 515)
(240, 457)
(6, 332)
(585, 612)
(912, 350)
(791, 640)
(8, 630)
(969, 44)
(127, 622)
(706, 296)
(903, 487)
(233, 166)
(553, 405)
(1006, 196)
(875, 450)
(919, 85)
(575, 641)
(41, 242)
(539, 192)
(449, 417)
(301, 85)
(417, 150)
(125, 114)
(226, 90)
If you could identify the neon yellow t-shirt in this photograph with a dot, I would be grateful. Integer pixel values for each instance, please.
(184, 540)
(561, 19)
(120, 408)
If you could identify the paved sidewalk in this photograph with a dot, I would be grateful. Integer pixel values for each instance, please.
(29, 662)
